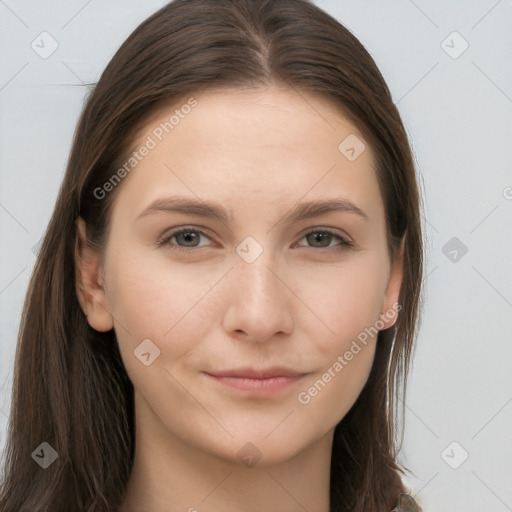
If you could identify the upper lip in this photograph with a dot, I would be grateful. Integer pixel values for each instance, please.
(254, 373)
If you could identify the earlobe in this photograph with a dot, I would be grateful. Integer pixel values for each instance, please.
(391, 305)
(89, 285)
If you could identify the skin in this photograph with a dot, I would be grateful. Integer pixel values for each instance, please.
(299, 304)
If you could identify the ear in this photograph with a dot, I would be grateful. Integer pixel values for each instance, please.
(89, 286)
(391, 306)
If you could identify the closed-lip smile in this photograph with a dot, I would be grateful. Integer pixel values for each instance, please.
(257, 381)
(253, 373)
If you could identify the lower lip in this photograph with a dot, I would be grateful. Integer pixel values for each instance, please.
(258, 386)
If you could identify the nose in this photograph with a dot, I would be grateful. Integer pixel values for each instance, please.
(260, 300)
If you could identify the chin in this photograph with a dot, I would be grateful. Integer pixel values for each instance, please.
(256, 451)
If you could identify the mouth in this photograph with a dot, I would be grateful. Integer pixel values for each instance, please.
(257, 382)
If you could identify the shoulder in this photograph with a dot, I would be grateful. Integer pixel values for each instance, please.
(406, 503)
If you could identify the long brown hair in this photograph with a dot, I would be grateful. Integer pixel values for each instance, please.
(70, 386)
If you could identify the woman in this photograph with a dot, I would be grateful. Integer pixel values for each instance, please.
(227, 294)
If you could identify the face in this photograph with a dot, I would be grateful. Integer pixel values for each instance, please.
(221, 258)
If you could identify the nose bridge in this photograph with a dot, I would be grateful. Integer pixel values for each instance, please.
(258, 276)
(259, 302)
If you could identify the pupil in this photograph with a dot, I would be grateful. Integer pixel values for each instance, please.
(319, 237)
(188, 236)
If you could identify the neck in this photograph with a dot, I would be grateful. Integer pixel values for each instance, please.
(170, 475)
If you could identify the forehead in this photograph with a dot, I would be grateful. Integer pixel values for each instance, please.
(271, 145)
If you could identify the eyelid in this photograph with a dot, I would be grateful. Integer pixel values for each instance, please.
(345, 241)
(165, 238)
(336, 232)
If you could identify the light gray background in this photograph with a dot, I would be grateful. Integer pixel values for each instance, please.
(458, 113)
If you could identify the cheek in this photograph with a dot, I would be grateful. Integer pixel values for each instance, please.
(350, 306)
(328, 398)
(149, 301)
(346, 298)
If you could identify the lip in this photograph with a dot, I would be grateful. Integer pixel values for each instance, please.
(254, 373)
(257, 382)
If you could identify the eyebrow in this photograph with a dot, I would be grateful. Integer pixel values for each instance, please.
(209, 209)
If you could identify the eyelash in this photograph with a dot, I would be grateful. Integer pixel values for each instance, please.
(344, 243)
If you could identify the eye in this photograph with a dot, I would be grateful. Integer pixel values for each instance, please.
(186, 239)
(189, 236)
(321, 239)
